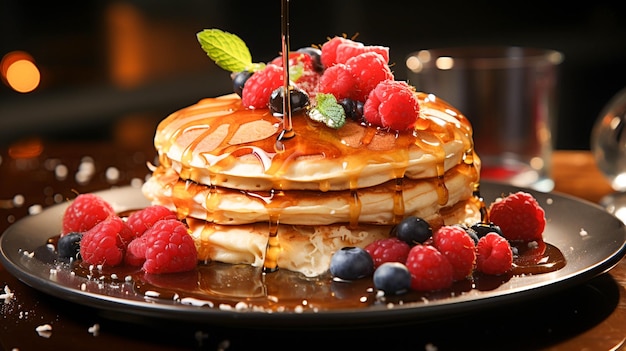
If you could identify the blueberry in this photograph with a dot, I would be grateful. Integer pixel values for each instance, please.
(239, 79)
(473, 234)
(354, 109)
(393, 278)
(299, 100)
(413, 230)
(351, 263)
(483, 229)
(316, 56)
(68, 245)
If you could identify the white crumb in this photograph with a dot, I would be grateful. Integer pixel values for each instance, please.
(94, 329)
(8, 295)
(44, 330)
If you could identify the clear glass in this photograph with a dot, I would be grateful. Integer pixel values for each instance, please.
(608, 144)
(509, 95)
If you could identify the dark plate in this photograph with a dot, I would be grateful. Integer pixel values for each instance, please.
(591, 240)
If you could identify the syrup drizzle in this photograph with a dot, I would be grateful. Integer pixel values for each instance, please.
(288, 131)
(207, 137)
(272, 249)
(215, 284)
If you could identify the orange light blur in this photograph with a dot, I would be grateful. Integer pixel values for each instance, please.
(28, 148)
(19, 72)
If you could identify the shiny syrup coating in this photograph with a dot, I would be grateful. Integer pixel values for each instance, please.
(210, 136)
(216, 285)
(209, 139)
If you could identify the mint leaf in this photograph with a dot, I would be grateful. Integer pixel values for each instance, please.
(328, 111)
(227, 50)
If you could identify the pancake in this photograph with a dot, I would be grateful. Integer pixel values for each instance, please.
(251, 198)
(217, 142)
(383, 204)
(303, 248)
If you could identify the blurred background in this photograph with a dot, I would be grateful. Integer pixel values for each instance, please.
(97, 69)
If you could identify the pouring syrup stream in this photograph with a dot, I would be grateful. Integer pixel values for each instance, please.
(272, 249)
(287, 131)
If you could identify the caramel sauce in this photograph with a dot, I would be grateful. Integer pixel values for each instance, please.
(209, 139)
(220, 285)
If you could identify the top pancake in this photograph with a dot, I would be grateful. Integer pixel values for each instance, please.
(218, 142)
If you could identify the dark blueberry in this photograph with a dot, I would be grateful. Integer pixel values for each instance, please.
(483, 229)
(316, 55)
(68, 245)
(354, 109)
(351, 263)
(393, 278)
(299, 100)
(413, 230)
(239, 79)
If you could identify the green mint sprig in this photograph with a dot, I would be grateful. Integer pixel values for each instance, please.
(328, 111)
(227, 50)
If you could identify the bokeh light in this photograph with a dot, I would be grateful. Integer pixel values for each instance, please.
(19, 72)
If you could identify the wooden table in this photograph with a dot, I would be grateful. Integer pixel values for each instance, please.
(591, 316)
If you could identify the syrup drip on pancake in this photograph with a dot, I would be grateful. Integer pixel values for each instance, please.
(217, 134)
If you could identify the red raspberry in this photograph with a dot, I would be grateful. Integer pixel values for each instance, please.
(301, 71)
(392, 104)
(519, 216)
(329, 51)
(84, 212)
(493, 255)
(296, 59)
(340, 50)
(308, 81)
(136, 252)
(388, 250)
(105, 243)
(337, 80)
(169, 248)
(368, 69)
(430, 270)
(349, 49)
(259, 87)
(145, 218)
(458, 247)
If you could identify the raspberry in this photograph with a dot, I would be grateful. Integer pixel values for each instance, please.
(145, 218)
(329, 51)
(430, 270)
(136, 252)
(349, 49)
(519, 216)
(169, 248)
(493, 255)
(105, 243)
(392, 104)
(388, 250)
(340, 50)
(84, 212)
(337, 80)
(258, 88)
(302, 71)
(458, 247)
(368, 69)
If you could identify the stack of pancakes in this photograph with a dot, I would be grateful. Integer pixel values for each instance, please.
(224, 169)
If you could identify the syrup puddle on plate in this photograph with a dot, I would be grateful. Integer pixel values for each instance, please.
(246, 288)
